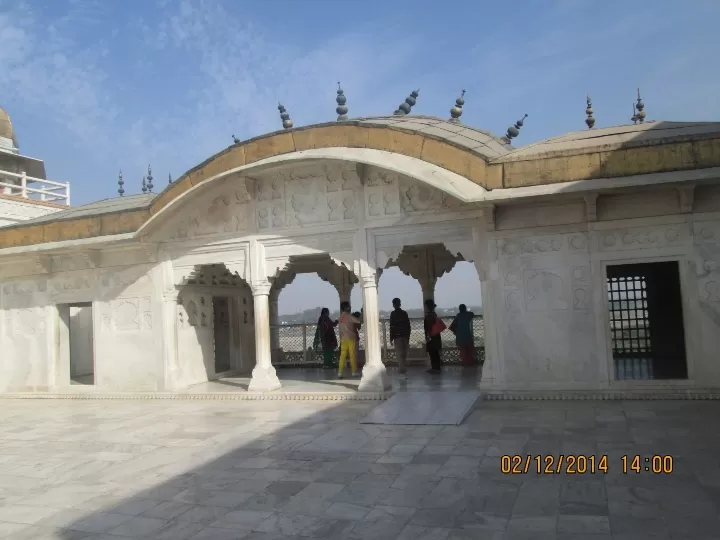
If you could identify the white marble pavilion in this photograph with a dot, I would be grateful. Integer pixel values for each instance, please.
(597, 251)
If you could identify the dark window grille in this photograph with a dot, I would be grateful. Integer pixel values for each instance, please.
(646, 323)
(630, 327)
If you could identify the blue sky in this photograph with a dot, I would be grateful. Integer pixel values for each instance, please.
(94, 86)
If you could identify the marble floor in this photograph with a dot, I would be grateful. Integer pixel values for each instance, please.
(270, 470)
(322, 380)
(421, 408)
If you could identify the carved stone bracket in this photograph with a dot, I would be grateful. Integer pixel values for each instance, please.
(687, 198)
(238, 268)
(387, 255)
(489, 216)
(591, 206)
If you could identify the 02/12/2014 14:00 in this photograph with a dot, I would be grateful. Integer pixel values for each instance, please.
(582, 464)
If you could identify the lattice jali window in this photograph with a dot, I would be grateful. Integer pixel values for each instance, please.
(629, 317)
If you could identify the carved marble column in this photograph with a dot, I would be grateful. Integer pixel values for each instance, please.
(427, 284)
(374, 375)
(264, 377)
(274, 318)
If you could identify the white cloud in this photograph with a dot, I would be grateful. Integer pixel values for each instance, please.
(51, 75)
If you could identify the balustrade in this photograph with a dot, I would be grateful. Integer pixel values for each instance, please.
(42, 190)
(296, 344)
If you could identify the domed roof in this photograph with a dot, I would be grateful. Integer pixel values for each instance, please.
(6, 127)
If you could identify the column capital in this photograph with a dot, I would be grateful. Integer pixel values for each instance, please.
(369, 281)
(170, 294)
(260, 288)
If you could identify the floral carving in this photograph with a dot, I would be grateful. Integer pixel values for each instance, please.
(641, 238)
(127, 315)
(544, 290)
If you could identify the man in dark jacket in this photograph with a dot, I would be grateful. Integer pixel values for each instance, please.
(400, 335)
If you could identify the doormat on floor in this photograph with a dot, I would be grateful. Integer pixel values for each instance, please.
(424, 408)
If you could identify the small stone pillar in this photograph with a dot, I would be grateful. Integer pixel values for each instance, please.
(374, 374)
(264, 377)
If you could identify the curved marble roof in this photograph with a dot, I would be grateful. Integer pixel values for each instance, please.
(481, 142)
(613, 138)
(493, 149)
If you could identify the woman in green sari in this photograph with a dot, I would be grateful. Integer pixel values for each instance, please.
(325, 338)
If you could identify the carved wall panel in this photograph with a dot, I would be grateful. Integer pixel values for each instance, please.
(545, 290)
(306, 196)
(580, 278)
(388, 193)
(71, 283)
(23, 287)
(75, 261)
(540, 245)
(382, 197)
(127, 280)
(642, 238)
(26, 322)
(706, 232)
(126, 315)
(513, 301)
(418, 197)
(223, 213)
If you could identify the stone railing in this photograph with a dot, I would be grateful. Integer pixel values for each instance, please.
(41, 190)
(294, 343)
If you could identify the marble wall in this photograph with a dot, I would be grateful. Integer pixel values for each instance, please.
(549, 288)
(36, 321)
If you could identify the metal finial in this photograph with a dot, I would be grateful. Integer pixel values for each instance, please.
(405, 107)
(640, 106)
(169, 179)
(514, 130)
(144, 186)
(285, 117)
(341, 109)
(634, 116)
(121, 190)
(149, 179)
(456, 111)
(235, 139)
(590, 120)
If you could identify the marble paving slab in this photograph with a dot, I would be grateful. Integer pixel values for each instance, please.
(424, 408)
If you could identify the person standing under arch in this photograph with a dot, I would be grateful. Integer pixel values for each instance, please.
(347, 325)
(400, 335)
(434, 326)
(462, 327)
(325, 338)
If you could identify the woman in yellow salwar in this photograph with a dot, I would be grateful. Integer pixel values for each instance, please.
(348, 339)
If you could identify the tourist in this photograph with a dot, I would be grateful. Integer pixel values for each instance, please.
(348, 341)
(434, 326)
(357, 315)
(325, 338)
(400, 335)
(462, 327)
